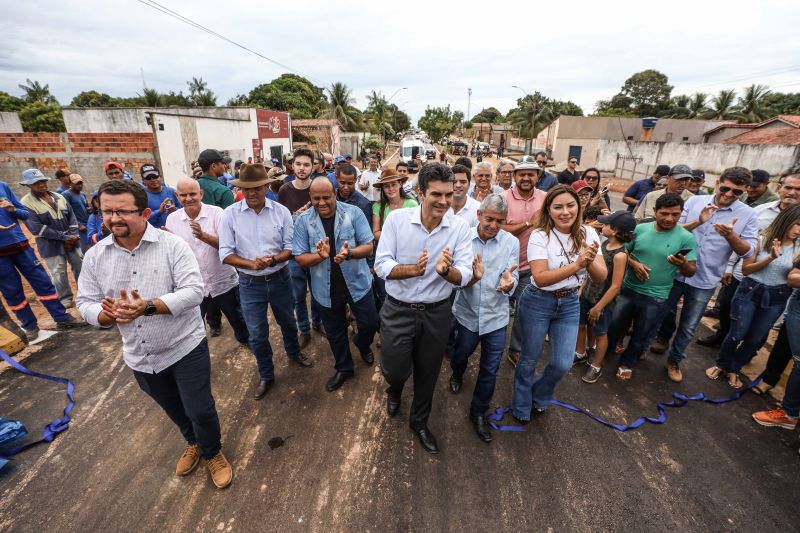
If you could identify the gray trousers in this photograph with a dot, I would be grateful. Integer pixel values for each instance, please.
(57, 265)
(515, 345)
(414, 341)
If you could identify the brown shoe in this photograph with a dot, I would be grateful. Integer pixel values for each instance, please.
(188, 461)
(513, 358)
(659, 346)
(674, 372)
(221, 471)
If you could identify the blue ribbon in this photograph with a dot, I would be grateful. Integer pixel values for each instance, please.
(680, 400)
(56, 426)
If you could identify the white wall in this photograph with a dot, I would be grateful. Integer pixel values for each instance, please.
(10, 123)
(106, 120)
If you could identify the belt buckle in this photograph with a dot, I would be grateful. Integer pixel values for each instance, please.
(418, 307)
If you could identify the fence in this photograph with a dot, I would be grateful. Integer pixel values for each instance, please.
(632, 167)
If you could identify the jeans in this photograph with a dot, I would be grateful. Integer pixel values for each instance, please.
(791, 398)
(515, 345)
(694, 305)
(334, 318)
(57, 265)
(183, 391)
(779, 357)
(492, 346)
(540, 313)
(229, 304)
(725, 297)
(754, 310)
(300, 283)
(644, 311)
(256, 294)
(86, 241)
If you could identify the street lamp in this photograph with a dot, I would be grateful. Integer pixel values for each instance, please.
(533, 116)
(395, 93)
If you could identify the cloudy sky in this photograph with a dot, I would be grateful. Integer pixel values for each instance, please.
(579, 51)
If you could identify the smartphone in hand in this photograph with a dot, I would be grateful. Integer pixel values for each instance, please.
(684, 252)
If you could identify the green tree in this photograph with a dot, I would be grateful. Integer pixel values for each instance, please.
(400, 119)
(151, 98)
(379, 115)
(783, 103)
(291, 93)
(10, 103)
(649, 92)
(240, 100)
(489, 114)
(41, 117)
(93, 99)
(618, 105)
(340, 106)
(722, 105)
(439, 122)
(533, 113)
(698, 107)
(679, 106)
(36, 92)
(752, 105)
(373, 143)
(199, 94)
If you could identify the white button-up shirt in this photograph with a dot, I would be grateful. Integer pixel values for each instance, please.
(162, 266)
(469, 212)
(402, 240)
(218, 277)
(248, 234)
(367, 178)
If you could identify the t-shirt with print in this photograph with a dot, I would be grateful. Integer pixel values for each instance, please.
(557, 249)
(652, 247)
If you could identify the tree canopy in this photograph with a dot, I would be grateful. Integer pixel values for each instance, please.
(438, 122)
(489, 114)
(540, 111)
(291, 93)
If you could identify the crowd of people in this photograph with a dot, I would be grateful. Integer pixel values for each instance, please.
(418, 265)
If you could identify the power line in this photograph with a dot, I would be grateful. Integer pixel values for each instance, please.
(765, 73)
(196, 25)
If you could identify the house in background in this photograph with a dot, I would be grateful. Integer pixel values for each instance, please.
(319, 134)
(783, 129)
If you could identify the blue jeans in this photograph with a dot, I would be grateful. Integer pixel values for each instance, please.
(644, 311)
(300, 284)
(492, 345)
(694, 305)
(540, 313)
(334, 318)
(256, 294)
(791, 398)
(515, 344)
(754, 310)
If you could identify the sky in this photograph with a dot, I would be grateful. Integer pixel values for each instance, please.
(578, 51)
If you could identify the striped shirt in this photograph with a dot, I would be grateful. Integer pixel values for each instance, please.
(162, 266)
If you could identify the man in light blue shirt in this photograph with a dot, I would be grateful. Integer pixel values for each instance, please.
(481, 308)
(255, 236)
(721, 225)
(332, 240)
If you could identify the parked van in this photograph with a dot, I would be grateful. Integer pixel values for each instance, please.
(409, 149)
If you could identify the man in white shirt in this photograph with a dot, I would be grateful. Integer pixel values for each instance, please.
(198, 224)
(368, 177)
(415, 319)
(463, 205)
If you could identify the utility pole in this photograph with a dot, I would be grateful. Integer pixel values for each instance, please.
(469, 102)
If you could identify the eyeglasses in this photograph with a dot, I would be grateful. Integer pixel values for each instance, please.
(725, 189)
(506, 172)
(123, 213)
(144, 178)
(574, 162)
(541, 163)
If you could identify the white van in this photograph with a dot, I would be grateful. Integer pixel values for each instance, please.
(409, 148)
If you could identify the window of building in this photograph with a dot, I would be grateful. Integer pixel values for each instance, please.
(686, 139)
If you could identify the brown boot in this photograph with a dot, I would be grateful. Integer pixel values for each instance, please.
(674, 372)
(188, 461)
(221, 471)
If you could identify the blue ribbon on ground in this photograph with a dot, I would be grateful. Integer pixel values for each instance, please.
(56, 426)
(680, 400)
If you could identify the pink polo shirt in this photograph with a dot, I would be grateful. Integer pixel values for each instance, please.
(520, 210)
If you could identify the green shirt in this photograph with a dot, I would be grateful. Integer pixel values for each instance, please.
(215, 193)
(652, 248)
(376, 207)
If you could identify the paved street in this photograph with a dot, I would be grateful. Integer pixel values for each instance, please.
(344, 466)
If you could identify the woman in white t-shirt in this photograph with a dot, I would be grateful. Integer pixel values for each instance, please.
(562, 252)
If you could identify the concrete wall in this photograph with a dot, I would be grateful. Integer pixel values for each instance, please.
(588, 152)
(612, 128)
(9, 123)
(106, 120)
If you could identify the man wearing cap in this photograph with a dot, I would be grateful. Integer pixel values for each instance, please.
(524, 203)
(696, 183)
(255, 237)
(332, 240)
(161, 200)
(758, 192)
(77, 200)
(368, 178)
(198, 224)
(643, 187)
(17, 257)
(677, 179)
(114, 171)
(62, 175)
(53, 223)
(212, 164)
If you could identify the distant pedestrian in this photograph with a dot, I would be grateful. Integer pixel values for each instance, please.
(212, 164)
(368, 178)
(569, 174)
(641, 188)
(547, 180)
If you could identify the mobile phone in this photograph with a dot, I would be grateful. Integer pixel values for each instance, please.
(604, 189)
(684, 251)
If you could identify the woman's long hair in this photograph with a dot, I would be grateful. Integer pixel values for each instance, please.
(781, 226)
(385, 201)
(596, 188)
(545, 223)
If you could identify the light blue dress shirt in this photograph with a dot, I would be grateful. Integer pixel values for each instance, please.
(713, 251)
(402, 240)
(248, 234)
(481, 308)
(351, 226)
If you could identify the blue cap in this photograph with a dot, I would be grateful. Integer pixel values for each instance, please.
(339, 159)
(33, 175)
(348, 156)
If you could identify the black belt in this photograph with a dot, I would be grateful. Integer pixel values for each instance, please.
(264, 277)
(417, 306)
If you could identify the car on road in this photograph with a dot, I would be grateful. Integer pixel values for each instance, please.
(430, 151)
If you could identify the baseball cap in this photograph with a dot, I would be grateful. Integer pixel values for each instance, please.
(149, 170)
(680, 172)
(698, 174)
(75, 178)
(622, 220)
(579, 185)
(208, 157)
(338, 159)
(33, 175)
(759, 176)
(112, 164)
(227, 160)
(529, 165)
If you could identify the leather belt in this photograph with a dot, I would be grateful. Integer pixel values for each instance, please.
(558, 293)
(264, 277)
(417, 306)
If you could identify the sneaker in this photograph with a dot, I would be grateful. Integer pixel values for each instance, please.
(221, 471)
(580, 358)
(775, 418)
(31, 334)
(72, 322)
(189, 460)
(659, 346)
(592, 374)
(714, 372)
(674, 371)
(513, 358)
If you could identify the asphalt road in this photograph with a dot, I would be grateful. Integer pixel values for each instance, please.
(344, 466)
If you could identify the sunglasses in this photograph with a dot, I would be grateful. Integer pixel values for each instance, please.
(150, 178)
(725, 189)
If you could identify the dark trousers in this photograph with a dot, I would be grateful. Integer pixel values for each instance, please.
(644, 312)
(492, 346)
(213, 314)
(724, 299)
(334, 318)
(229, 304)
(779, 357)
(183, 391)
(414, 341)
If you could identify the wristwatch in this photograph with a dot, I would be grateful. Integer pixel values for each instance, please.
(349, 254)
(150, 308)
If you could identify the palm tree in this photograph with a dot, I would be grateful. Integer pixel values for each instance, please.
(679, 106)
(197, 86)
(697, 105)
(532, 109)
(341, 105)
(751, 103)
(36, 92)
(151, 98)
(722, 105)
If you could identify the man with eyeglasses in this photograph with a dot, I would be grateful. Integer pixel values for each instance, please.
(569, 174)
(160, 199)
(722, 226)
(546, 180)
(505, 174)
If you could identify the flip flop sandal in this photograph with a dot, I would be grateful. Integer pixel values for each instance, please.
(624, 374)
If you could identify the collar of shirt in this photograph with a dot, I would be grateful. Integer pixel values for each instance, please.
(514, 192)
(151, 234)
(204, 209)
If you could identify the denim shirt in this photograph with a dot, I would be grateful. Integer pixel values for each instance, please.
(481, 308)
(351, 226)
